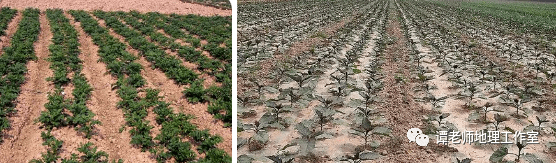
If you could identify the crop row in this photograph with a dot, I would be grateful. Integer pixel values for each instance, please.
(220, 97)
(265, 39)
(330, 74)
(175, 127)
(170, 65)
(539, 20)
(492, 90)
(13, 62)
(64, 59)
(188, 53)
(6, 15)
(217, 30)
(89, 152)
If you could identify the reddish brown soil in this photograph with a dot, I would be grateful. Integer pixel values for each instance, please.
(208, 79)
(162, 6)
(24, 142)
(173, 94)
(401, 111)
(103, 103)
(12, 26)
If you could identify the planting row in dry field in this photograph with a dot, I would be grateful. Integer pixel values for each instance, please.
(122, 86)
(322, 81)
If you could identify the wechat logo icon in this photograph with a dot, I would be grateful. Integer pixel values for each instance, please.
(416, 135)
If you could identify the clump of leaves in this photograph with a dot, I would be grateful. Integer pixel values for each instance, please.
(196, 93)
(54, 115)
(329, 102)
(280, 159)
(498, 155)
(54, 145)
(294, 96)
(541, 119)
(258, 141)
(485, 110)
(276, 108)
(90, 154)
(324, 115)
(365, 128)
(441, 117)
(466, 160)
(498, 119)
(300, 79)
(259, 85)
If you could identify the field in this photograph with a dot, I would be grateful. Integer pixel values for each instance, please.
(86, 85)
(345, 81)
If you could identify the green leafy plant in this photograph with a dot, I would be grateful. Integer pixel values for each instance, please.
(498, 119)
(196, 92)
(324, 115)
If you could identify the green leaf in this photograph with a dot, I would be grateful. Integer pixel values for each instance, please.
(498, 155)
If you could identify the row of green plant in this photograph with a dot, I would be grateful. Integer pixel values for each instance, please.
(6, 15)
(188, 53)
(121, 64)
(175, 127)
(64, 59)
(156, 19)
(220, 107)
(171, 66)
(223, 4)
(13, 62)
(216, 30)
(220, 97)
(89, 153)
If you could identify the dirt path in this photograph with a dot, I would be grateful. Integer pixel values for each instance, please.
(401, 111)
(173, 94)
(24, 141)
(103, 103)
(12, 27)
(162, 6)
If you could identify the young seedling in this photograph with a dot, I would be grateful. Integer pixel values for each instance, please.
(472, 88)
(466, 160)
(327, 102)
(517, 103)
(485, 109)
(244, 100)
(339, 91)
(441, 117)
(324, 115)
(541, 119)
(498, 119)
(434, 100)
(300, 79)
(520, 147)
(366, 111)
(366, 128)
(345, 71)
(281, 69)
(280, 159)
(338, 79)
(277, 108)
(367, 98)
(294, 97)
(259, 86)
